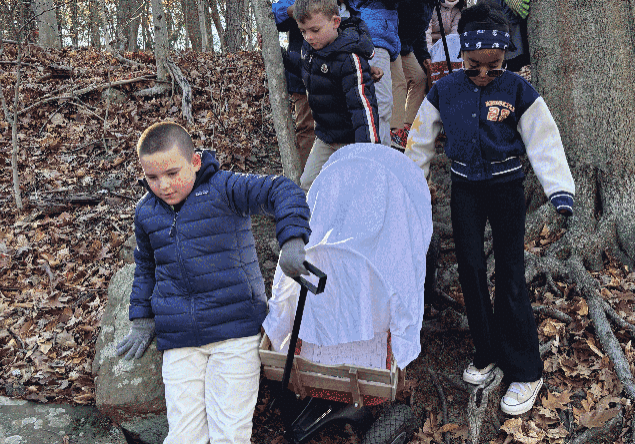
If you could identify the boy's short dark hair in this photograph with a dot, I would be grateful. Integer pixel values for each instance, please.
(162, 136)
(304, 9)
(486, 14)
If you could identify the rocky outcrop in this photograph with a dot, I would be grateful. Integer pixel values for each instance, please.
(24, 422)
(131, 393)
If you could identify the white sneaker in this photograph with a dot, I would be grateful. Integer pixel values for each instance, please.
(473, 375)
(520, 397)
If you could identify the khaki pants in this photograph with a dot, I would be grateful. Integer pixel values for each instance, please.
(320, 154)
(211, 391)
(304, 126)
(408, 89)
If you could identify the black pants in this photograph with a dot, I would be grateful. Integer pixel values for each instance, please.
(506, 333)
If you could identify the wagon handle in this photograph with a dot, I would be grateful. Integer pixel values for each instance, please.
(305, 287)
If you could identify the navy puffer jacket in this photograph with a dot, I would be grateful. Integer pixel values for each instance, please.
(338, 82)
(197, 270)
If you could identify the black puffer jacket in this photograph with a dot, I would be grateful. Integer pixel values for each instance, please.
(338, 82)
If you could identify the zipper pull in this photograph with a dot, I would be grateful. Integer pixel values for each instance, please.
(173, 227)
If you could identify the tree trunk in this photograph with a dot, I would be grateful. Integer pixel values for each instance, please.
(249, 25)
(581, 65)
(202, 25)
(127, 24)
(233, 28)
(74, 24)
(278, 95)
(47, 23)
(218, 25)
(192, 25)
(123, 14)
(94, 23)
(160, 39)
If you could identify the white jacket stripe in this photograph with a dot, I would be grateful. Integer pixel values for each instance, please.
(372, 128)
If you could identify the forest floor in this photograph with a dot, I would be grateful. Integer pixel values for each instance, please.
(78, 179)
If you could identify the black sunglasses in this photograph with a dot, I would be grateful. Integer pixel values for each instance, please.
(490, 73)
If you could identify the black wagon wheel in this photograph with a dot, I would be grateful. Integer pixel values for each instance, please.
(395, 425)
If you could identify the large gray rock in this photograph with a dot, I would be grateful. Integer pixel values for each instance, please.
(131, 393)
(24, 422)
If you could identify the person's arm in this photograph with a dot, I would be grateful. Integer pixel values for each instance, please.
(541, 137)
(420, 45)
(361, 102)
(276, 196)
(292, 62)
(144, 278)
(454, 28)
(423, 132)
(429, 33)
(281, 15)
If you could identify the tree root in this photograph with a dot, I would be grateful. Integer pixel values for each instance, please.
(590, 434)
(178, 77)
(478, 404)
(544, 348)
(73, 94)
(449, 320)
(442, 400)
(610, 344)
(552, 313)
(574, 271)
(446, 299)
(153, 91)
(617, 319)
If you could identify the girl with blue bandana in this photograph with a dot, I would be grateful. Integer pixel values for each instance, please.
(492, 117)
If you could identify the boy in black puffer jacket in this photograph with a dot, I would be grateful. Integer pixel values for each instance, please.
(333, 65)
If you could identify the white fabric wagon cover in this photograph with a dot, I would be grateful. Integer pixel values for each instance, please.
(371, 222)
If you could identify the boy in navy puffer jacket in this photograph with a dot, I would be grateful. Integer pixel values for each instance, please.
(333, 65)
(198, 281)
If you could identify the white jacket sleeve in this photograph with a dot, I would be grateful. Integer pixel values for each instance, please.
(542, 141)
(425, 129)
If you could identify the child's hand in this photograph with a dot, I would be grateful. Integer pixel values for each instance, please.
(376, 73)
(292, 257)
(138, 340)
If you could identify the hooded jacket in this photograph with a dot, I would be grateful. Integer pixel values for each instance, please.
(197, 270)
(339, 86)
(383, 22)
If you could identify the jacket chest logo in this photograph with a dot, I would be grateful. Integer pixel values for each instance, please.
(201, 193)
(324, 68)
(498, 110)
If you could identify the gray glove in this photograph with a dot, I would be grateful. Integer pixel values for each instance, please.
(292, 257)
(138, 340)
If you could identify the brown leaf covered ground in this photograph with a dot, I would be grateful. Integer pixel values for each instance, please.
(78, 173)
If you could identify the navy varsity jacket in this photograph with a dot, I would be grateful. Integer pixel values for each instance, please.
(488, 128)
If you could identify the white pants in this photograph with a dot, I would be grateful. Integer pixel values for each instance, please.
(383, 91)
(211, 391)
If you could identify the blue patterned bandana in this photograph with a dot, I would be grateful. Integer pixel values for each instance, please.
(485, 39)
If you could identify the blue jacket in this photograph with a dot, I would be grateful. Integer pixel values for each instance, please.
(383, 22)
(488, 129)
(340, 89)
(284, 23)
(197, 270)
